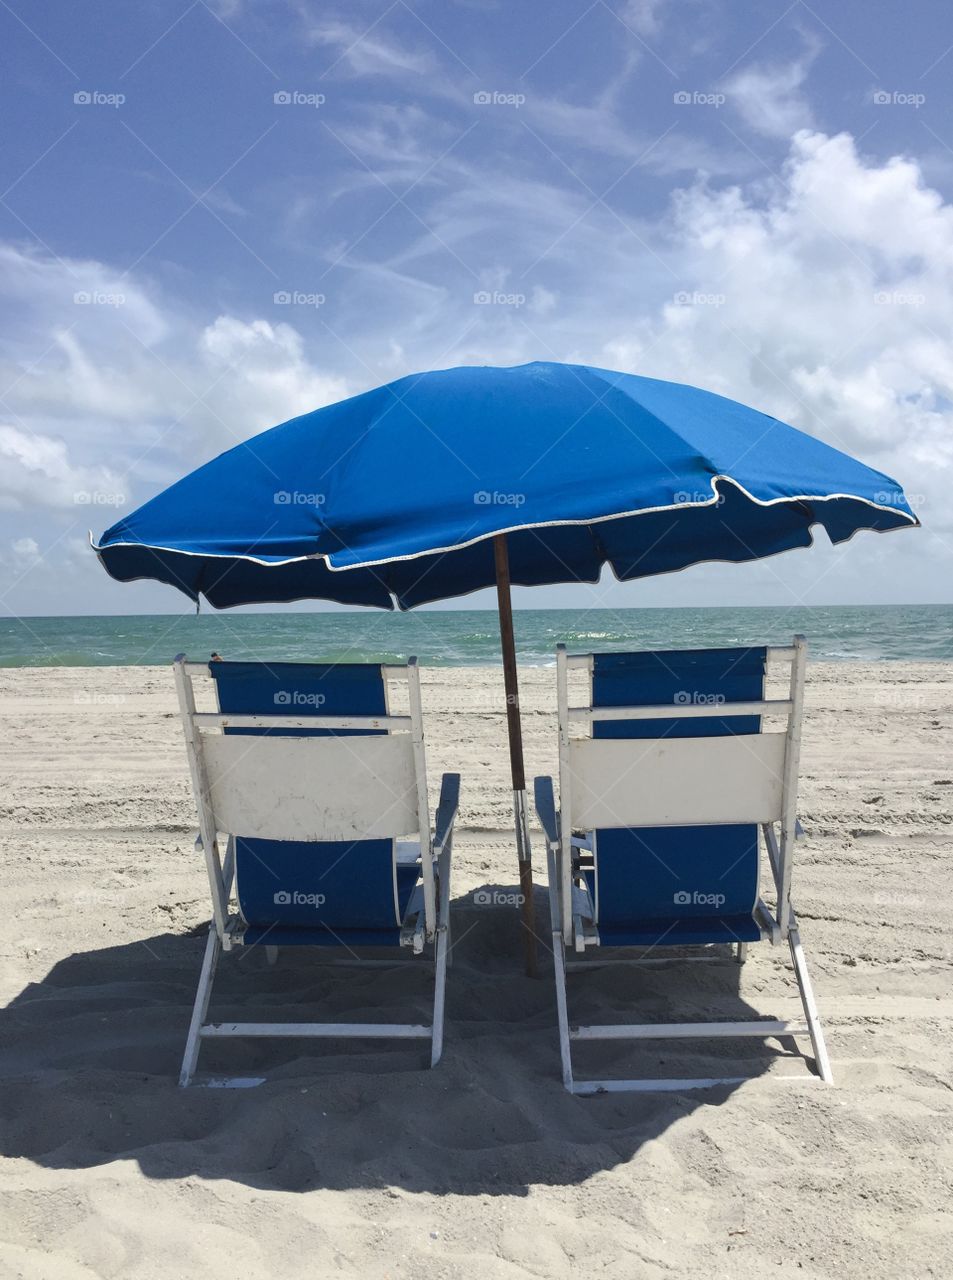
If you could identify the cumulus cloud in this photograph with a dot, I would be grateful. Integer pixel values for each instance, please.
(24, 552)
(115, 370)
(111, 390)
(37, 471)
(261, 371)
(826, 303)
(824, 297)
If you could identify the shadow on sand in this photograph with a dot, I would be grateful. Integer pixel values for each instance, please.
(90, 1060)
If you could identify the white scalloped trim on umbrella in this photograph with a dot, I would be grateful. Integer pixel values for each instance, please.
(516, 528)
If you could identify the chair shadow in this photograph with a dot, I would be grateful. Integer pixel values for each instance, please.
(89, 1059)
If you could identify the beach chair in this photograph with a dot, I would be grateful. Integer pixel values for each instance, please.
(656, 844)
(316, 784)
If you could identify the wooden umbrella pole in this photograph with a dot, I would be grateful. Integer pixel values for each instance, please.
(517, 769)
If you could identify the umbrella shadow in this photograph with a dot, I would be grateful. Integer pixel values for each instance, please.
(90, 1059)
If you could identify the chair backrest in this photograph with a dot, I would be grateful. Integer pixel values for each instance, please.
(689, 772)
(296, 788)
(699, 767)
(304, 765)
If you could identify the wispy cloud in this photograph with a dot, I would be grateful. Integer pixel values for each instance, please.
(644, 16)
(771, 97)
(367, 50)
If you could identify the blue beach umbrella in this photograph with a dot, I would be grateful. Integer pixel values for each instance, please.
(444, 482)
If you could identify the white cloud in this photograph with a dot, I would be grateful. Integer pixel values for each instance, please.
(542, 301)
(825, 297)
(40, 286)
(37, 471)
(126, 371)
(57, 574)
(643, 16)
(769, 98)
(25, 550)
(261, 374)
(606, 125)
(368, 50)
(825, 303)
(108, 399)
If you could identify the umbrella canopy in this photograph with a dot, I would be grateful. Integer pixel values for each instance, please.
(362, 501)
(444, 482)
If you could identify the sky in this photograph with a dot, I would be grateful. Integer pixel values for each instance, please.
(218, 214)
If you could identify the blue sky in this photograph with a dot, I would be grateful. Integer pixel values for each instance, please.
(218, 214)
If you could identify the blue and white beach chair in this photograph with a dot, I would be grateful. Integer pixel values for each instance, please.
(657, 840)
(316, 785)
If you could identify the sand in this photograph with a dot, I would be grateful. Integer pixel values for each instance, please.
(355, 1161)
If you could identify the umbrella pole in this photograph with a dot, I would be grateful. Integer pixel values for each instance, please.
(517, 770)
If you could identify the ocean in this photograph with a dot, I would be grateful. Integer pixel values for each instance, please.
(470, 637)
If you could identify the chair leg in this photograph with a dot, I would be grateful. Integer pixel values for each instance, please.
(559, 968)
(193, 1044)
(442, 956)
(562, 1010)
(440, 984)
(741, 955)
(444, 872)
(271, 954)
(810, 1008)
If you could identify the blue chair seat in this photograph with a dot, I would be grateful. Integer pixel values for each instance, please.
(681, 933)
(326, 890)
(302, 936)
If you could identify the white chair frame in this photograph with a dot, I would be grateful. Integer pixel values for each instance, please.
(755, 780)
(329, 770)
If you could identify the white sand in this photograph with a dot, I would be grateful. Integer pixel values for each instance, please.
(354, 1161)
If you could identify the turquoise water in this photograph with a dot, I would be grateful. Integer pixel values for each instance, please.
(470, 637)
